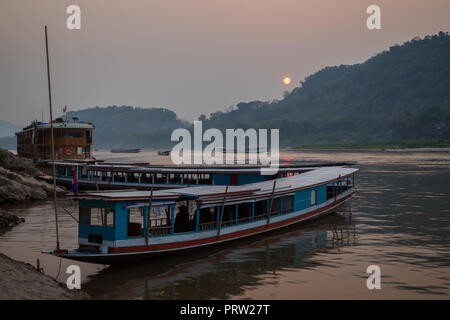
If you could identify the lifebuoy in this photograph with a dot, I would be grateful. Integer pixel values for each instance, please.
(68, 152)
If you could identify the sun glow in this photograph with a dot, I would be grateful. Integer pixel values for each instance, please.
(287, 80)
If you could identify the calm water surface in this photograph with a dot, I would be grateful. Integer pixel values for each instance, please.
(398, 220)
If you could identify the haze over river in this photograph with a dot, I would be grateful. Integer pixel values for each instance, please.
(399, 220)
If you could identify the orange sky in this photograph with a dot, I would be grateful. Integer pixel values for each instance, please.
(193, 57)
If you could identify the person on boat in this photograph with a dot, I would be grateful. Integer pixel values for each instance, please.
(182, 223)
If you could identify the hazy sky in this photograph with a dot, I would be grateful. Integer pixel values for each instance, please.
(191, 56)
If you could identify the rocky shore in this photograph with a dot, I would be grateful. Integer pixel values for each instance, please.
(8, 220)
(21, 281)
(18, 181)
(18, 280)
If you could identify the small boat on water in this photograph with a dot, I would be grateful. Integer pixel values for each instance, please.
(164, 153)
(125, 150)
(121, 227)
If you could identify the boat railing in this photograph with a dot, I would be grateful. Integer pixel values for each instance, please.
(207, 226)
(228, 223)
(245, 220)
(158, 222)
(260, 217)
(160, 231)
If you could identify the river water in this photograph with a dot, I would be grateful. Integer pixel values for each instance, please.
(399, 220)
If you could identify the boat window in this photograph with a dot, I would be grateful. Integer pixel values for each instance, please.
(61, 171)
(136, 215)
(71, 134)
(313, 197)
(96, 216)
(85, 215)
(261, 208)
(288, 204)
(135, 222)
(244, 212)
(276, 207)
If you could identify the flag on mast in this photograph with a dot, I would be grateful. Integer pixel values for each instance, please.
(74, 182)
(65, 109)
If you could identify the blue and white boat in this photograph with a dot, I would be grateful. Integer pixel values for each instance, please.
(119, 227)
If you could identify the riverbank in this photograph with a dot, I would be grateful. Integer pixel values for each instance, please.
(21, 281)
(18, 181)
(8, 220)
(406, 145)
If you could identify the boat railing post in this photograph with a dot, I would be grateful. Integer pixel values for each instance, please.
(145, 219)
(253, 211)
(217, 216)
(172, 218)
(148, 216)
(197, 218)
(221, 212)
(271, 202)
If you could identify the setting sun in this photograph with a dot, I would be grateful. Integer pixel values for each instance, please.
(287, 80)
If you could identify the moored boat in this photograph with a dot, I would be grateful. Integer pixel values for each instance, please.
(119, 227)
(164, 153)
(125, 150)
(143, 176)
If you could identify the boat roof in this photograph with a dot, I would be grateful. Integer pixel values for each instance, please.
(213, 194)
(60, 125)
(241, 169)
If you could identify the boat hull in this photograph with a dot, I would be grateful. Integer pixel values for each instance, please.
(137, 253)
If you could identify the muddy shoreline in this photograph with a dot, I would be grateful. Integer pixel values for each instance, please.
(22, 281)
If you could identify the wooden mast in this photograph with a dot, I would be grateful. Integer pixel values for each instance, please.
(52, 139)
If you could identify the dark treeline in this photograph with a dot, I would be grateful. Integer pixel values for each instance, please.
(400, 94)
(128, 127)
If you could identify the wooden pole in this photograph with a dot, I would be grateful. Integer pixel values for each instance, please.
(221, 212)
(52, 139)
(148, 215)
(271, 202)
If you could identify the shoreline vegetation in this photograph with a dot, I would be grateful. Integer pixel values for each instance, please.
(404, 145)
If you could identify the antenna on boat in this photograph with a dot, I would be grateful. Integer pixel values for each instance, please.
(271, 201)
(221, 211)
(52, 139)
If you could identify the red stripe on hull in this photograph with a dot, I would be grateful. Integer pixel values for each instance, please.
(230, 236)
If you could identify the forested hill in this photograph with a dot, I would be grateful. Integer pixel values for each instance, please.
(402, 93)
(128, 127)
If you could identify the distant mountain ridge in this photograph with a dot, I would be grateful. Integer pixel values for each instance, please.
(7, 129)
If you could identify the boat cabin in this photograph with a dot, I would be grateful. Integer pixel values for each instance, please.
(72, 139)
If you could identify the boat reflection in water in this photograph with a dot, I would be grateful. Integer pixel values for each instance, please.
(225, 271)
